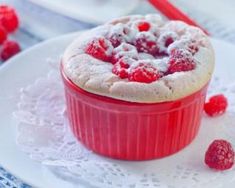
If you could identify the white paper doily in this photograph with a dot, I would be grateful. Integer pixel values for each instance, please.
(44, 134)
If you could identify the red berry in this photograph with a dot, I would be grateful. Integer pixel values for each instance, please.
(216, 105)
(3, 35)
(117, 34)
(168, 41)
(180, 61)
(9, 49)
(116, 40)
(8, 18)
(145, 42)
(120, 68)
(219, 155)
(100, 48)
(144, 72)
(143, 26)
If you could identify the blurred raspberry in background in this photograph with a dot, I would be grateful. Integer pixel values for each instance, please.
(9, 23)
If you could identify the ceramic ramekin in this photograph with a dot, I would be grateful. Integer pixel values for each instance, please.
(132, 131)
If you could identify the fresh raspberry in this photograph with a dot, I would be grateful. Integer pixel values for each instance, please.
(118, 34)
(168, 41)
(144, 72)
(116, 39)
(8, 18)
(145, 42)
(120, 68)
(100, 48)
(9, 49)
(216, 105)
(3, 35)
(180, 61)
(220, 155)
(143, 26)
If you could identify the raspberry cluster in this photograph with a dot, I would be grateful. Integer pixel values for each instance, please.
(124, 45)
(9, 23)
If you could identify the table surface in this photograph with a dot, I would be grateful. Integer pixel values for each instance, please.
(31, 33)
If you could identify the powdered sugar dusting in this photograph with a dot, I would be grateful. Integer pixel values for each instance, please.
(147, 35)
(109, 48)
(164, 37)
(126, 50)
(161, 64)
(147, 56)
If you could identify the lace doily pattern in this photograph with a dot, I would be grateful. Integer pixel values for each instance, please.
(44, 134)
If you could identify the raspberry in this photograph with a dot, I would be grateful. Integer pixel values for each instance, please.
(216, 105)
(9, 49)
(3, 35)
(166, 38)
(120, 68)
(8, 18)
(143, 26)
(144, 72)
(168, 41)
(116, 40)
(118, 34)
(219, 155)
(180, 61)
(100, 48)
(145, 42)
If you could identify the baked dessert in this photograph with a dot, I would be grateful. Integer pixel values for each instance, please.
(141, 59)
(135, 87)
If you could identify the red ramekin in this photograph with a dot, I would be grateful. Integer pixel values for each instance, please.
(132, 131)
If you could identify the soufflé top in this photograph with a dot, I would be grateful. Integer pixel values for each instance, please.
(140, 59)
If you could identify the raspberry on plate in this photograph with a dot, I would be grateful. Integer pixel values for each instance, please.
(9, 49)
(216, 105)
(100, 48)
(144, 72)
(3, 35)
(220, 155)
(180, 61)
(8, 18)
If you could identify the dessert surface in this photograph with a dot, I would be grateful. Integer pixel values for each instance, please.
(140, 59)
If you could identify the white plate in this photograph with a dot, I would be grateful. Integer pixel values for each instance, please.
(92, 11)
(28, 66)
